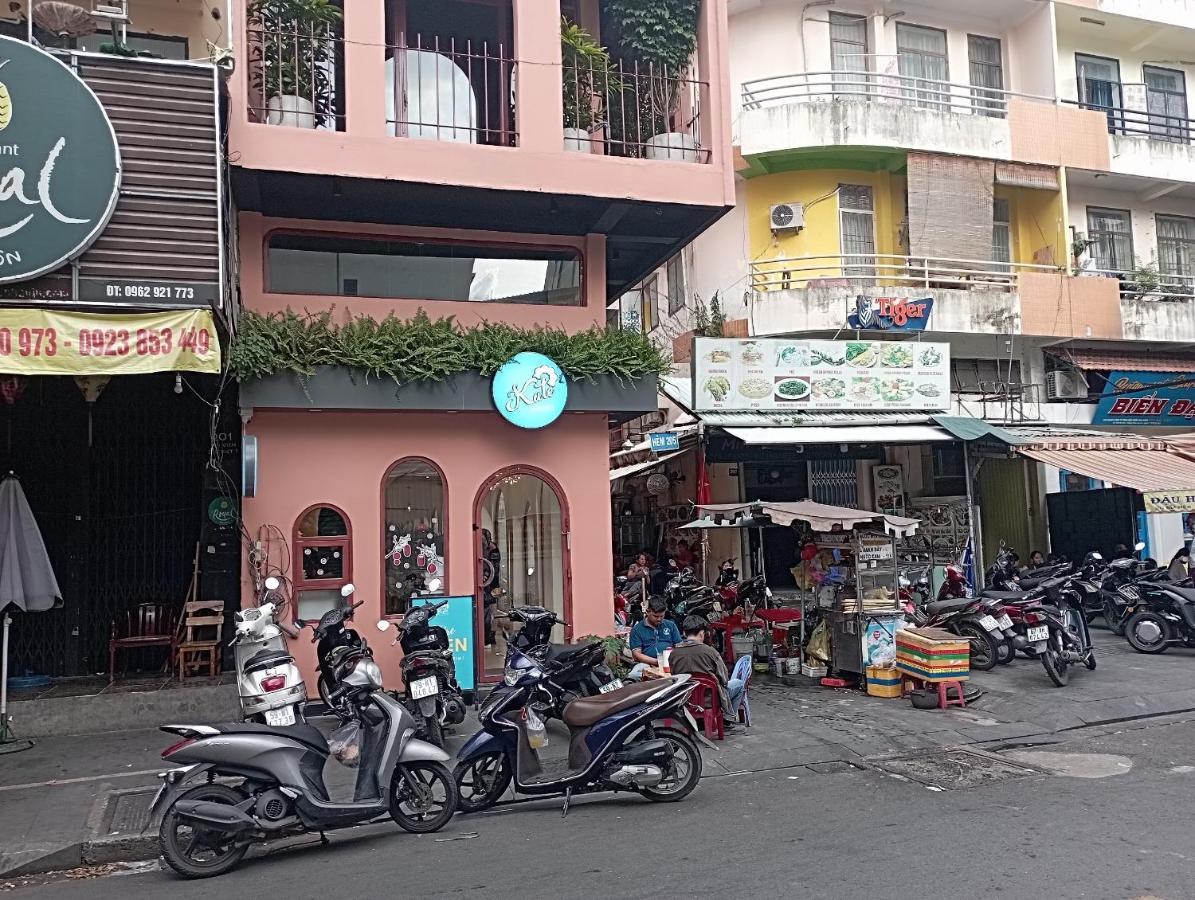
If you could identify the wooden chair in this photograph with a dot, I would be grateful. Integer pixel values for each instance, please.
(145, 625)
(199, 646)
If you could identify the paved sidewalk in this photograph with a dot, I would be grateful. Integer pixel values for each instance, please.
(71, 800)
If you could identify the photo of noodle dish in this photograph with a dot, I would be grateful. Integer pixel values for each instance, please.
(751, 354)
(864, 389)
(755, 388)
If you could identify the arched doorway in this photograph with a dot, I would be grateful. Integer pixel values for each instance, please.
(521, 530)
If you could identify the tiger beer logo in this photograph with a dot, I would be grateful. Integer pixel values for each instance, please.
(59, 163)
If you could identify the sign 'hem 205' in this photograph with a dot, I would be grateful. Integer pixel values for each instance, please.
(60, 163)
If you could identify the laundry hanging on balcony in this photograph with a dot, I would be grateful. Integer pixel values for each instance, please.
(950, 209)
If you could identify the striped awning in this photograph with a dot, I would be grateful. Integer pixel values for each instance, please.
(1141, 470)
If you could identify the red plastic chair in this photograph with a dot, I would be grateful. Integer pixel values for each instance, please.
(705, 703)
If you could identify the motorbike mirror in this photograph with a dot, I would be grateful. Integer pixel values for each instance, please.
(383, 625)
(347, 590)
(1139, 546)
(433, 585)
(272, 583)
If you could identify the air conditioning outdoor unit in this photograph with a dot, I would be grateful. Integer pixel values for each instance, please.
(788, 216)
(1062, 385)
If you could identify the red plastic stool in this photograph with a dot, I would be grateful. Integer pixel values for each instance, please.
(944, 694)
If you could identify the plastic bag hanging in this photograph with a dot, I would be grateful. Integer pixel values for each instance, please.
(537, 731)
(345, 744)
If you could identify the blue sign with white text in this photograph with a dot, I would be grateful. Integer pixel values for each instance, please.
(1147, 398)
(530, 391)
(663, 441)
(457, 619)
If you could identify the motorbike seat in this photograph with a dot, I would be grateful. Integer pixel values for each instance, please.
(586, 711)
(304, 734)
(267, 659)
(566, 652)
(935, 607)
(1006, 596)
(1187, 594)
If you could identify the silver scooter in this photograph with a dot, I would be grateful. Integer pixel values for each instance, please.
(243, 784)
(269, 684)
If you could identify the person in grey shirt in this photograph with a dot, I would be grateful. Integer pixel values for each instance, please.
(694, 656)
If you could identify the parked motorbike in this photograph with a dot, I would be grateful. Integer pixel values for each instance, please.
(337, 651)
(577, 670)
(732, 592)
(686, 596)
(1057, 631)
(1158, 614)
(269, 684)
(629, 600)
(634, 739)
(257, 783)
(1119, 574)
(429, 671)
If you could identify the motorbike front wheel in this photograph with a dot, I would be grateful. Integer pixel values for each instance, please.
(983, 647)
(683, 772)
(482, 781)
(1147, 632)
(423, 796)
(1054, 663)
(194, 851)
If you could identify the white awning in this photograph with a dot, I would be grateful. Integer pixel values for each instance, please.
(644, 466)
(854, 434)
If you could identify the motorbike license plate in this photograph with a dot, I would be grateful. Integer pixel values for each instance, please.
(283, 716)
(425, 687)
(1039, 633)
(1005, 622)
(612, 686)
(989, 624)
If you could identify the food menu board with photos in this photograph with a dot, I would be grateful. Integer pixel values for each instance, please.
(782, 374)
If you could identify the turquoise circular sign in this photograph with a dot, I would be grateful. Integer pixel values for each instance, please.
(530, 391)
(59, 163)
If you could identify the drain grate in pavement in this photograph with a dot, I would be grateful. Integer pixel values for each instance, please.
(953, 769)
(123, 812)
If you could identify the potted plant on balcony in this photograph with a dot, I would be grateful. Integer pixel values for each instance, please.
(662, 37)
(293, 59)
(589, 80)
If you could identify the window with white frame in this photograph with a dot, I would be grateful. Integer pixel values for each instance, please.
(856, 221)
(1176, 253)
(1001, 234)
(921, 57)
(1111, 230)
(987, 75)
(848, 52)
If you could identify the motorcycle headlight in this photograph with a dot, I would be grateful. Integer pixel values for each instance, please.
(511, 677)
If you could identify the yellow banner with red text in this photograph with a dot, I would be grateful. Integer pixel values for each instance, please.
(53, 342)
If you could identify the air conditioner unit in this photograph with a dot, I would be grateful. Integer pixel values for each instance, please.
(788, 216)
(1062, 385)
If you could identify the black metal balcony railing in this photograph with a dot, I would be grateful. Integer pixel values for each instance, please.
(1153, 125)
(451, 91)
(296, 76)
(629, 110)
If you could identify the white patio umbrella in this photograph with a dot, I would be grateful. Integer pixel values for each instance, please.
(26, 578)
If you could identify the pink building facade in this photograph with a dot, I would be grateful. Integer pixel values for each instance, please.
(375, 197)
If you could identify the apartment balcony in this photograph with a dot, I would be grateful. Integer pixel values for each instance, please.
(406, 114)
(816, 293)
(1147, 144)
(1180, 13)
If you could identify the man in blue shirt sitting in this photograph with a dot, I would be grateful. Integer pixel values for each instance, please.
(651, 637)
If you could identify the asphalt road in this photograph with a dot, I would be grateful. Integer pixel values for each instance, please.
(1115, 826)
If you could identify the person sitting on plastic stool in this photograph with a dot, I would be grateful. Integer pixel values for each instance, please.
(651, 637)
(693, 656)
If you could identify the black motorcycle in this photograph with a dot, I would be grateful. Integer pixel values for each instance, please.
(429, 671)
(338, 647)
(577, 670)
(1116, 595)
(1056, 629)
(1158, 614)
(687, 596)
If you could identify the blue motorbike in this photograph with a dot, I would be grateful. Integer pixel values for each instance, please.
(639, 739)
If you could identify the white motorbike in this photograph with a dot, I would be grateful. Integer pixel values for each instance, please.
(271, 689)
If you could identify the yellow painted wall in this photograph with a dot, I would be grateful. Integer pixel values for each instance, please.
(817, 190)
(1037, 223)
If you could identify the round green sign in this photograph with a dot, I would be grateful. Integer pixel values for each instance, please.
(59, 163)
(222, 511)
